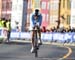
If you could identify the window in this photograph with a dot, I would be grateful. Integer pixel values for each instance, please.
(68, 4)
(43, 5)
(53, 18)
(54, 6)
(63, 3)
(43, 16)
(9, 5)
(3, 5)
(3, 15)
(6, 5)
(48, 7)
(37, 4)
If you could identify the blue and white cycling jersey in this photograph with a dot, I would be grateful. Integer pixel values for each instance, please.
(32, 21)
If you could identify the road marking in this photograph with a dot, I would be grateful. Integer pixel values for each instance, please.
(70, 51)
(68, 54)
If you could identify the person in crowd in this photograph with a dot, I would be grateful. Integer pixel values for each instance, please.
(43, 29)
(3, 21)
(1, 24)
(17, 26)
(8, 26)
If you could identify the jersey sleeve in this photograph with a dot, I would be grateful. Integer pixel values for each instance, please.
(40, 19)
(33, 20)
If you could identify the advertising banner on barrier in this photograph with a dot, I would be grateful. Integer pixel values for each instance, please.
(26, 35)
(61, 37)
(47, 36)
(3, 33)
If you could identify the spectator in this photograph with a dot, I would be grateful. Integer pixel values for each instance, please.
(8, 25)
(43, 29)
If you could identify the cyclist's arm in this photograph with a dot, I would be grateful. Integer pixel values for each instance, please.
(33, 20)
(40, 20)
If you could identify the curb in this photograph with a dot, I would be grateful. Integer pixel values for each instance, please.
(52, 43)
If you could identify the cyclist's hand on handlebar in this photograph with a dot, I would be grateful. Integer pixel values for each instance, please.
(37, 24)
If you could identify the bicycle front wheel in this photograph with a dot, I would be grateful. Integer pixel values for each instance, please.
(36, 44)
(36, 52)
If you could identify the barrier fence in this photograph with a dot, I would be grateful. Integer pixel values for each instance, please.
(61, 37)
(3, 32)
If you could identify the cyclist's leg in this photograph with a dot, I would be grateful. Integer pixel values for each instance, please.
(8, 36)
(39, 32)
(32, 38)
(32, 34)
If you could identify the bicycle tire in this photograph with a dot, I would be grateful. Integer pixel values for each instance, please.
(36, 42)
(36, 53)
(36, 50)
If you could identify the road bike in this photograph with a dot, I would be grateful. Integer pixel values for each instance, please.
(36, 45)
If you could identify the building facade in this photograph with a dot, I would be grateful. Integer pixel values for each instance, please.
(54, 13)
(65, 12)
(45, 8)
(19, 14)
(48, 8)
(29, 11)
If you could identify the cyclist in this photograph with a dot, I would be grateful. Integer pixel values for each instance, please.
(36, 17)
